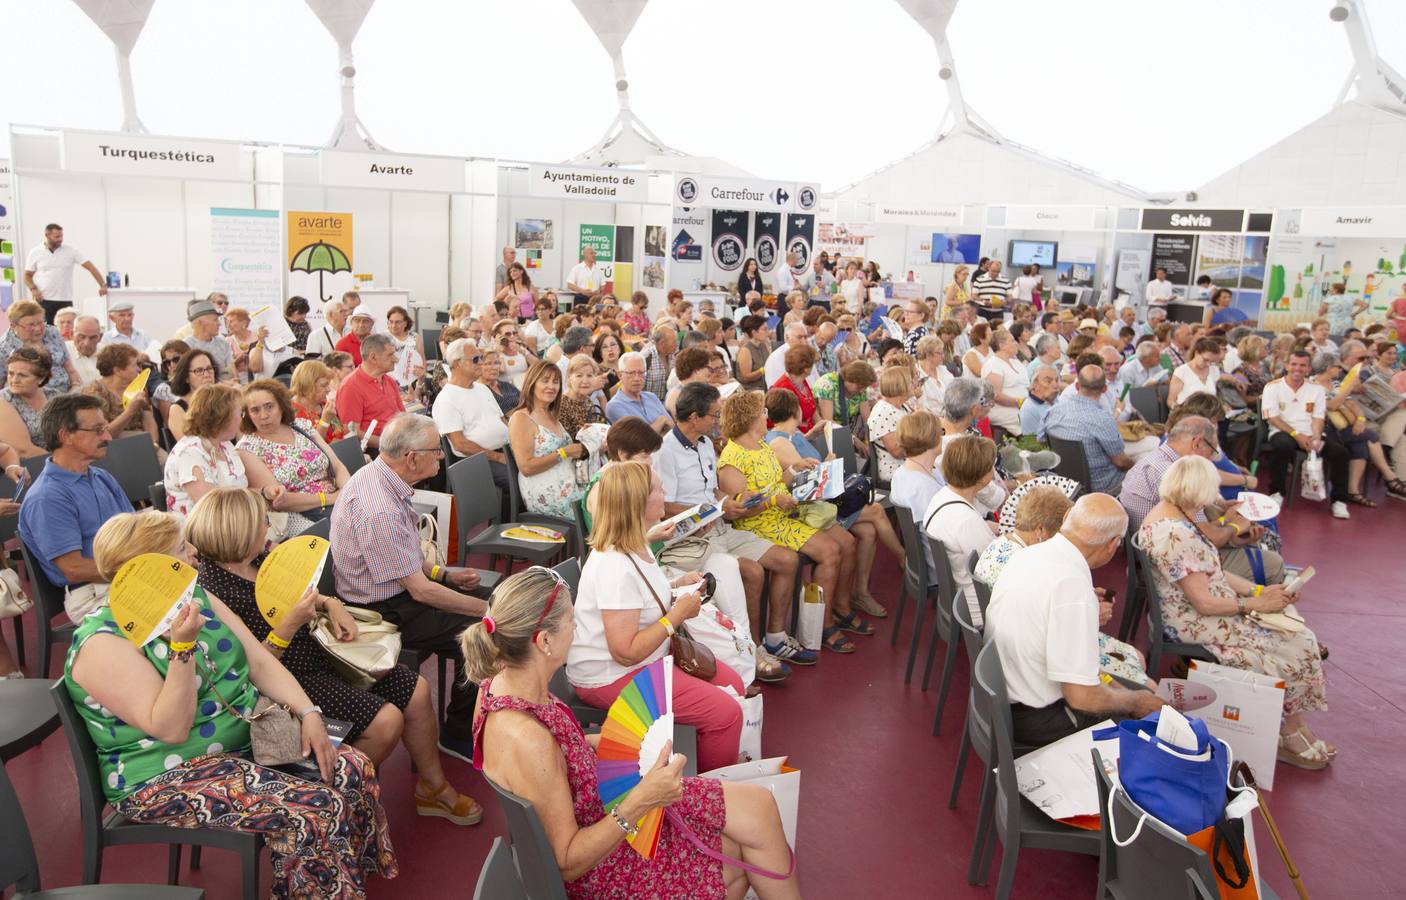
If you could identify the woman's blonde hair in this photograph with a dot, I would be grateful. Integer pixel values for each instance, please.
(210, 408)
(23, 309)
(582, 362)
(1251, 348)
(896, 381)
(615, 505)
(306, 376)
(928, 344)
(517, 610)
(1191, 482)
(740, 412)
(966, 459)
(919, 432)
(227, 523)
(126, 536)
(1042, 507)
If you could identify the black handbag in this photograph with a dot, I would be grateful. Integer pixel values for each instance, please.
(855, 496)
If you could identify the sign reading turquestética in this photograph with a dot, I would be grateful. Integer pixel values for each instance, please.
(393, 171)
(745, 193)
(578, 183)
(1232, 220)
(144, 154)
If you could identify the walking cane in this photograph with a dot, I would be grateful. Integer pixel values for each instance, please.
(1248, 778)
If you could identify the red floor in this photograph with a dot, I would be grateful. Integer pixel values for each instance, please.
(874, 820)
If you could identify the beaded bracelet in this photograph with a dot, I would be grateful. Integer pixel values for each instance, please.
(630, 830)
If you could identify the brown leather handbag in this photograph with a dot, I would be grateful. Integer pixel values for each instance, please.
(690, 656)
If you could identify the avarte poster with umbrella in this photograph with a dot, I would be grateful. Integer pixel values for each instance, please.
(319, 255)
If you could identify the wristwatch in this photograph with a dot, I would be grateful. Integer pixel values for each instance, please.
(311, 709)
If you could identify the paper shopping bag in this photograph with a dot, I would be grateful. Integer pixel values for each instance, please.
(810, 631)
(731, 646)
(749, 745)
(1230, 844)
(773, 774)
(1312, 486)
(1245, 714)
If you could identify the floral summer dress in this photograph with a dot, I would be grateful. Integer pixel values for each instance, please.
(678, 869)
(301, 466)
(763, 472)
(1178, 550)
(553, 491)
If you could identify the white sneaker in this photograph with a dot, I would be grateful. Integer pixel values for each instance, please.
(1277, 498)
(1340, 510)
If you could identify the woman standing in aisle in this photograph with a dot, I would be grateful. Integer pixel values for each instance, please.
(519, 293)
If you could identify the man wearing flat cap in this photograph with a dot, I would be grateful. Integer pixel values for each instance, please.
(121, 314)
(205, 335)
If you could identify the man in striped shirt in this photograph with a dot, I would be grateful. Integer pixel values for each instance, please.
(992, 292)
(377, 562)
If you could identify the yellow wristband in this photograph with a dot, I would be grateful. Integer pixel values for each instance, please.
(1233, 525)
(182, 646)
(434, 573)
(321, 498)
(1259, 589)
(561, 451)
(1361, 418)
(274, 640)
(1293, 433)
(668, 626)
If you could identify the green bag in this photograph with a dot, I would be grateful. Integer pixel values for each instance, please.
(818, 514)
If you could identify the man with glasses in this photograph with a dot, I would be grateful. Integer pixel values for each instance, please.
(687, 464)
(71, 499)
(377, 561)
(466, 412)
(369, 395)
(797, 335)
(83, 349)
(633, 400)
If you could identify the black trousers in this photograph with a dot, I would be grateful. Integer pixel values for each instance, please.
(1281, 457)
(51, 308)
(1039, 726)
(426, 628)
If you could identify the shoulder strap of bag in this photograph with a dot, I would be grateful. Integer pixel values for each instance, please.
(311, 440)
(944, 506)
(657, 601)
(682, 827)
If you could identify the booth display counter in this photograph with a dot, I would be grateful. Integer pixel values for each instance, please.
(1192, 312)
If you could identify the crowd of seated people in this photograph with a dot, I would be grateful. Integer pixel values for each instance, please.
(703, 408)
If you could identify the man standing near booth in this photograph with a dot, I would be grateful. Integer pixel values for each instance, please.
(992, 293)
(500, 277)
(48, 272)
(587, 280)
(1159, 289)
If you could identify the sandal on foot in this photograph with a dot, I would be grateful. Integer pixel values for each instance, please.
(866, 604)
(853, 624)
(1396, 489)
(1322, 651)
(1311, 756)
(1361, 500)
(463, 811)
(834, 639)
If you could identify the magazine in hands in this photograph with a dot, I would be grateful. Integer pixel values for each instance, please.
(825, 482)
(692, 519)
(286, 574)
(147, 593)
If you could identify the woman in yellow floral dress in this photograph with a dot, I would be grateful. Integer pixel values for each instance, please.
(749, 470)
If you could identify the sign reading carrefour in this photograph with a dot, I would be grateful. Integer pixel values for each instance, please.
(147, 155)
(745, 193)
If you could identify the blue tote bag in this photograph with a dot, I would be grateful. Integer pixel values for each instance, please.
(1184, 790)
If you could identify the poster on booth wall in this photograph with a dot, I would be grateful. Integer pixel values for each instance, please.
(656, 242)
(800, 239)
(1291, 293)
(731, 236)
(622, 271)
(599, 237)
(838, 240)
(1130, 280)
(319, 257)
(919, 249)
(244, 244)
(7, 238)
(1076, 267)
(532, 234)
(1177, 254)
(688, 235)
(767, 249)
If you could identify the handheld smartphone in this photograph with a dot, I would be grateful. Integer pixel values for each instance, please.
(20, 486)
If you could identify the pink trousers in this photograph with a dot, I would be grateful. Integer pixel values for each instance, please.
(699, 703)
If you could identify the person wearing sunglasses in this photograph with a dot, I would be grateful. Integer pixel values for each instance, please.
(71, 499)
(514, 356)
(539, 753)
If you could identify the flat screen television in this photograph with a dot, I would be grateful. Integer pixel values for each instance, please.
(1041, 253)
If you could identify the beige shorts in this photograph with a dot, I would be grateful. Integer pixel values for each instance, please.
(739, 543)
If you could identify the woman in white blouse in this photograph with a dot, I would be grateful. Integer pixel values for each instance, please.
(975, 358)
(952, 516)
(1006, 375)
(206, 458)
(1198, 375)
(896, 392)
(933, 376)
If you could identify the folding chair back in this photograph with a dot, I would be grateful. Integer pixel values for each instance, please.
(498, 879)
(536, 861)
(48, 602)
(983, 590)
(1158, 644)
(348, 450)
(132, 461)
(1073, 462)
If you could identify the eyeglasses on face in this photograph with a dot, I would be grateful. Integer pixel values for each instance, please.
(436, 450)
(96, 429)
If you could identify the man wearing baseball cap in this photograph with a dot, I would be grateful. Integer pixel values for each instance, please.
(361, 324)
(204, 321)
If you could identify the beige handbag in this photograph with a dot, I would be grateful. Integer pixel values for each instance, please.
(429, 540)
(13, 601)
(275, 734)
(366, 660)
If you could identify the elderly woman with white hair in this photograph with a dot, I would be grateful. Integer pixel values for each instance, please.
(1204, 604)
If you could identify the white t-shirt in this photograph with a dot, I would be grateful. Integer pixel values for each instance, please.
(1298, 408)
(853, 292)
(962, 530)
(933, 387)
(1158, 292)
(473, 411)
(609, 581)
(588, 277)
(783, 283)
(1014, 383)
(538, 332)
(1044, 619)
(776, 367)
(1024, 286)
(914, 491)
(53, 271)
(86, 366)
(323, 339)
(1191, 383)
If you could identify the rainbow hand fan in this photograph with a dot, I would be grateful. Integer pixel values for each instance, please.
(640, 722)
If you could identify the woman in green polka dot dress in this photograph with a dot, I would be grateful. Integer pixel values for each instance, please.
(171, 753)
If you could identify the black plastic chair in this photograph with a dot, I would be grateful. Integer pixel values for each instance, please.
(570, 572)
(19, 867)
(1158, 645)
(498, 879)
(431, 338)
(27, 716)
(476, 502)
(536, 861)
(132, 461)
(1015, 821)
(1073, 462)
(1133, 598)
(9, 531)
(1147, 404)
(973, 639)
(842, 445)
(157, 494)
(115, 830)
(578, 511)
(517, 510)
(348, 450)
(916, 584)
(34, 465)
(48, 602)
(1159, 864)
(944, 628)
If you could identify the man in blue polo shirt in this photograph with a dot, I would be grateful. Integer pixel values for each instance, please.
(71, 499)
(633, 400)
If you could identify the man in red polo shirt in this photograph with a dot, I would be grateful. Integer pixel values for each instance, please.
(361, 324)
(369, 394)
